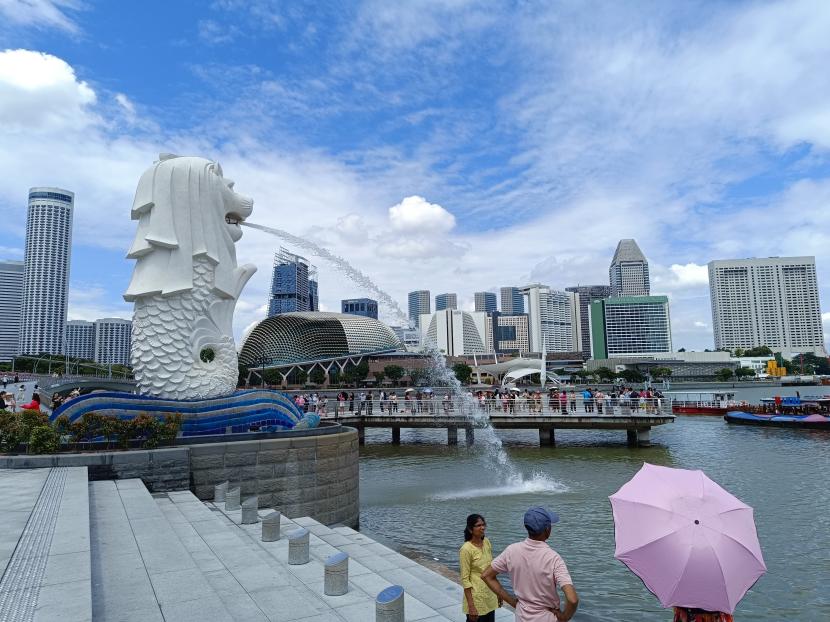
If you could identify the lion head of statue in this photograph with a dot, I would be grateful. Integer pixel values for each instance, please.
(186, 209)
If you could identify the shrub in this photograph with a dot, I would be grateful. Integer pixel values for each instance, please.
(43, 440)
(10, 436)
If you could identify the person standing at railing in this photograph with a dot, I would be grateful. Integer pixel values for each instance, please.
(361, 402)
(572, 401)
(370, 401)
(351, 401)
(563, 402)
(393, 399)
(382, 399)
(322, 402)
(599, 398)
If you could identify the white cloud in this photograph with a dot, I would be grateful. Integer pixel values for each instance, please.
(699, 324)
(39, 93)
(92, 301)
(352, 228)
(125, 103)
(41, 14)
(416, 215)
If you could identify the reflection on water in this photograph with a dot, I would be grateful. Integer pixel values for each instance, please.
(416, 496)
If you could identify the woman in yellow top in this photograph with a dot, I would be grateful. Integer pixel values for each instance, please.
(476, 553)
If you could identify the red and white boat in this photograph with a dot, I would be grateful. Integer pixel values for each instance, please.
(716, 403)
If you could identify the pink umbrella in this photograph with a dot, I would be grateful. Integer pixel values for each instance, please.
(692, 543)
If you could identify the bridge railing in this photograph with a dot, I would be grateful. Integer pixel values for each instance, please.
(441, 406)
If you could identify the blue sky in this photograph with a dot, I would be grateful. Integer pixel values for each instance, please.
(537, 134)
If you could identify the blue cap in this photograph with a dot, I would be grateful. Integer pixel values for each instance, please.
(537, 519)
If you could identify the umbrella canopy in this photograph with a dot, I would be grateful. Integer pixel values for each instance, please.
(691, 542)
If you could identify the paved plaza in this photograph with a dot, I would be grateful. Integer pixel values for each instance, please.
(109, 550)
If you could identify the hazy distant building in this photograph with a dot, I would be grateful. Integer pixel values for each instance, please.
(112, 341)
(46, 270)
(11, 301)
(628, 273)
(419, 304)
(766, 302)
(80, 339)
(507, 334)
(512, 301)
(587, 295)
(624, 325)
(360, 306)
(553, 319)
(446, 301)
(293, 285)
(410, 337)
(454, 332)
(485, 302)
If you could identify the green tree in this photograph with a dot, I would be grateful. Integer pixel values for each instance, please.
(463, 372)
(724, 374)
(317, 375)
(302, 376)
(632, 375)
(758, 351)
(738, 352)
(379, 376)
(605, 374)
(394, 372)
(744, 372)
(660, 372)
(418, 375)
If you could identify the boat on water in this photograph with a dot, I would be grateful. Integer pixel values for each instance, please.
(812, 421)
(716, 403)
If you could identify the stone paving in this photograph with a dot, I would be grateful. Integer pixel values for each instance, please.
(119, 554)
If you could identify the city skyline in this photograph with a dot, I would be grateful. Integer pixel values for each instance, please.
(397, 182)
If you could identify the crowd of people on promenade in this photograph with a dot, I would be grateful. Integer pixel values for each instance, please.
(537, 574)
(496, 401)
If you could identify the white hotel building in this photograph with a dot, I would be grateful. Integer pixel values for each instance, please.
(772, 302)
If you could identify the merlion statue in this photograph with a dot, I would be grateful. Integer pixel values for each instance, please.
(186, 282)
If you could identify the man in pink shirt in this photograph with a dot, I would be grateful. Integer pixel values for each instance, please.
(535, 570)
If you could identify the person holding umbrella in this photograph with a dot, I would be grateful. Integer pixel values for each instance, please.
(692, 543)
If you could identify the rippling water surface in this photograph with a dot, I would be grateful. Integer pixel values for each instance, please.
(416, 496)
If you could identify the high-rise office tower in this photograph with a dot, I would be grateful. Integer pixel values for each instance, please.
(507, 334)
(446, 301)
(587, 295)
(553, 319)
(623, 325)
(46, 270)
(419, 304)
(360, 306)
(512, 301)
(766, 302)
(293, 284)
(11, 294)
(80, 339)
(112, 341)
(628, 273)
(486, 302)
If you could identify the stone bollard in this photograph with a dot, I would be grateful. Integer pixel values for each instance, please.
(232, 499)
(219, 492)
(389, 605)
(298, 547)
(250, 515)
(336, 575)
(271, 527)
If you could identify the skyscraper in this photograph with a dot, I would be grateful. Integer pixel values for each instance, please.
(446, 301)
(512, 301)
(46, 270)
(454, 332)
(80, 339)
(623, 325)
(112, 341)
(419, 304)
(360, 306)
(293, 284)
(11, 294)
(587, 295)
(766, 302)
(553, 319)
(628, 273)
(486, 302)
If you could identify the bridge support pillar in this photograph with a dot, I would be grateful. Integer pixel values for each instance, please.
(361, 435)
(452, 436)
(547, 437)
(631, 436)
(396, 436)
(644, 438)
(471, 436)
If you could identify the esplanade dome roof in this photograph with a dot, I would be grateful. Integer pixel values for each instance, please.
(314, 335)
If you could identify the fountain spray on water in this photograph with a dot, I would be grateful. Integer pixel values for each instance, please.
(512, 480)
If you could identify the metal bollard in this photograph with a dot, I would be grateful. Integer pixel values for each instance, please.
(250, 515)
(271, 527)
(298, 551)
(219, 492)
(389, 605)
(232, 499)
(336, 575)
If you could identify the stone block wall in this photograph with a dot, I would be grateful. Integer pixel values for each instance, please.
(313, 476)
(306, 476)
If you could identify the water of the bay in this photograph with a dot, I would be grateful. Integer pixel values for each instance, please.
(416, 496)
